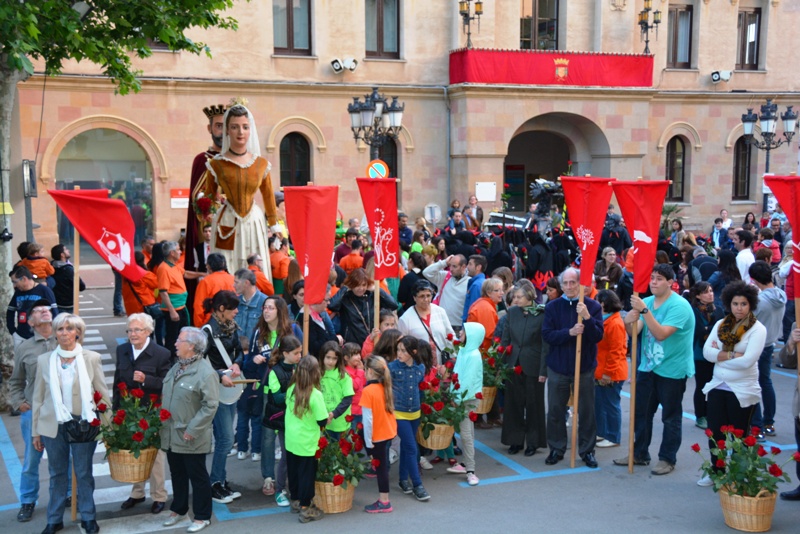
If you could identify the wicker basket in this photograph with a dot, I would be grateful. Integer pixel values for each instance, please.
(333, 499)
(125, 468)
(440, 437)
(748, 514)
(485, 405)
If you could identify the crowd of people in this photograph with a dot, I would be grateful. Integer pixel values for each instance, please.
(717, 308)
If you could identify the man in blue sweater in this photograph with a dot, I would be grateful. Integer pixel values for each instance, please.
(476, 266)
(560, 330)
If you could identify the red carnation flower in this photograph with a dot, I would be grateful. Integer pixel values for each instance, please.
(95, 422)
(338, 479)
(97, 396)
(750, 441)
(796, 456)
(137, 436)
(709, 433)
(775, 471)
(348, 418)
(102, 407)
(322, 443)
(143, 424)
(450, 337)
(761, 450)
(138, 393)
(438, 406)
(424, 386)
(696, 447)
(721, 464)
(164, 415)
(154, 398)
(426, 408)
(479, 395)
(721, 444)
(774, 450)
(473, 416)
(491, 362)
(518, 370)
(738, 432)
(375, 463)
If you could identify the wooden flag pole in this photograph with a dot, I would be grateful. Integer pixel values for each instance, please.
(576, 387)
(305, 328)
(377, 305)
(634, 346)
(76, 309)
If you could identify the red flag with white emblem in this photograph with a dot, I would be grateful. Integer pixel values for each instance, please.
(379, 196)
(587, 202)
(787, 191)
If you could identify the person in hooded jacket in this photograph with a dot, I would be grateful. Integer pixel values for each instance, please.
(615, 235)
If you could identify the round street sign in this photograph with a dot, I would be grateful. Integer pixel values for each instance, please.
(377, 169)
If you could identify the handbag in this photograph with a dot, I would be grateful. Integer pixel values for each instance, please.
(226, 395)
(153, 310)
(80, 430)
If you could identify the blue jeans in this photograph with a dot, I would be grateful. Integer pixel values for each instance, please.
(58, 451)
(652, 390)
(118, 305)
(223, 441)
(29, 481)
(767, 391)
(608, 412)
(244, 424)
(409, 455)
(268, 444)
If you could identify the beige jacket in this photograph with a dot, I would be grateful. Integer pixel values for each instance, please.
(789, 359)
(44, 413)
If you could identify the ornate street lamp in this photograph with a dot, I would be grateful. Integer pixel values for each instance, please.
(769, 123)
(465, 11)
(644, 23)
(373, 122)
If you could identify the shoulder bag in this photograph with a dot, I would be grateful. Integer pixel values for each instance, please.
(226, 395)
(445, 354)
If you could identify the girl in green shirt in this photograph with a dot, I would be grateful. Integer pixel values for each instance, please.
(337, 389)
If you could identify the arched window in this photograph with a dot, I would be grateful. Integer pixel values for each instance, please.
(295, 160)
(388, 153)
(741, 170)
(676, 169)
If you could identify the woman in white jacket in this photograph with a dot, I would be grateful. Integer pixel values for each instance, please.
(734, 346)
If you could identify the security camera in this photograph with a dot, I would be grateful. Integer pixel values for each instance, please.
(337, 66)
(721, 76)
(350, 64)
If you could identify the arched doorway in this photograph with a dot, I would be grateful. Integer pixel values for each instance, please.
(103, 158)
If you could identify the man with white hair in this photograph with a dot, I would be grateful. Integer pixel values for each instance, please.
(141, 363)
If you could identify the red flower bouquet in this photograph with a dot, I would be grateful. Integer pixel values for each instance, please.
(341, 462)
(136, 425)
(442, 403)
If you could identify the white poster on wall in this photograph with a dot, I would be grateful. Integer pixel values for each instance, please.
(486, 191)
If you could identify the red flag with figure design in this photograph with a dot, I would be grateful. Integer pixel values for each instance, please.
(587, 202)
(787, 191)
(379, 196)
(105, 224)
(311, 217)
(640, 203)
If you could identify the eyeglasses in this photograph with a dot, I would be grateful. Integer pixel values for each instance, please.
(135, 330)
(40, 309)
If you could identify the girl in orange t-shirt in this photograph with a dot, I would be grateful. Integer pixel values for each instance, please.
(380, 427)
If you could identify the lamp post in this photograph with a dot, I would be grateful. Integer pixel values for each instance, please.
(644, 23)
(465, 12)
(769, 124)
(374, 122)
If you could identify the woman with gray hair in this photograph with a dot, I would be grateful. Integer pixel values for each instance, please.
(69, 386)
(191, 395)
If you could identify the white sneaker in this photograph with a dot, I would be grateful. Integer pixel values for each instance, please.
(241, 455)
(457, 469)
(282, 499)
(233, 452)
(393, 456)
(256, 457)
(605, 444)
(705, 481)
(472, 480)
(269, 487)
(425, 464)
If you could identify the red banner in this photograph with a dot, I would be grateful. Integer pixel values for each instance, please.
(587, 203)
(379, 196)
(787, 191)
(311, 217)
(545, 67)
(105, 224)
(640, 203)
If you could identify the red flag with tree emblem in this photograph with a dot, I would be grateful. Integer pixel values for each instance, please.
(311, 217)
(105, 224)
(379, 196)
(787, 191)
(640, 203)
(587, 202)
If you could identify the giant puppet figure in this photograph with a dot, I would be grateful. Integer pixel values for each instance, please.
(239, 227)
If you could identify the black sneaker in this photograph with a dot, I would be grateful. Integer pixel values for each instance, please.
(26, 512)
(406, 486)
(231, 492)
(218, 493)
(421, 494)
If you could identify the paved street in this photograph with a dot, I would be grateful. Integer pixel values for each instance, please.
(516, 494)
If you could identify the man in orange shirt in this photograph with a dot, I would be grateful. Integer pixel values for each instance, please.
(354, 260)
(172, 290)
(147, 248)
(218, 279)
(256, 264)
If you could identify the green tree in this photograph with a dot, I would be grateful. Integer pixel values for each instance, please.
(107, 33)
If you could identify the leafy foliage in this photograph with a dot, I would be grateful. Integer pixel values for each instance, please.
(495, 370)
(442, 402)
(341, 462)
(135, 426)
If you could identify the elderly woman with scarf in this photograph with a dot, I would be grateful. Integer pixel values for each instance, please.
(70, 385)
(734, 346)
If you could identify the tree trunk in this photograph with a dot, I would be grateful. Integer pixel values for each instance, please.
(8, 90)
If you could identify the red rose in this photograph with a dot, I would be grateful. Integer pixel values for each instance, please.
(569, 162)
(137, 436)
(750, 441)
(164, 415)
(774, 450)
(359, 426)
(506, 186)
(435, 382)
(97, 397)
(721, 464)
(338, 479)
(95, 422)
(738, 432)
(438, 406)
(696, 447)
(122, 387)
(518, 370)
(775, 471)
(721, 444)
(143, 424)
(724, 429)
(138, 393)
(424, 386)
(755, 430)
(456, 342)
(118, 420)
(454, 378)
(449, 365)
(348, 418)
(479, 395)
(345, 446)
(358, 444)
(426, 408)
(501, 349)
(497, 340)
(473, 416)
(709, 433)
(322, 443)
(318, 454)
(796, 456)
(102, 407)
(456, 385)
(375, 463)
(491, 362)
(154, 398)
(450, 337)
(761, 450)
